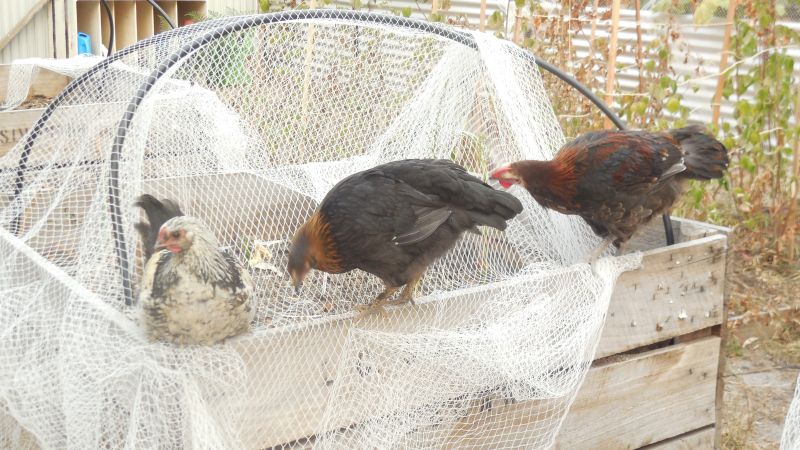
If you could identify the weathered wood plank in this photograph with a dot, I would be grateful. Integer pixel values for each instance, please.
(696, 440)
(658, 396)
(87, 20)
(678, 290)
(680, 265)
(692, 229)
(14, 125)
(649, 397)
(125, 24)
(652, 236)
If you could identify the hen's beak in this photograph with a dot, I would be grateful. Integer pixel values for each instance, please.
(297, 281)
(505, 175)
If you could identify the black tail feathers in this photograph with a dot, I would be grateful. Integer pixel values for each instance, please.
(504, 206)
(704, 157)
(157, 212)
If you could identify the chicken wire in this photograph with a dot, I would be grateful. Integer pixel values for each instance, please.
(247, 122)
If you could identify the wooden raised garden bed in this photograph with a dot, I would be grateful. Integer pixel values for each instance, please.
(15, 123)
(654, 382)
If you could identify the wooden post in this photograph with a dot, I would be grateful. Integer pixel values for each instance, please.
(638, 7)
(61, 27)
(482, 25)
(517, 26)
(594, 27)
(612, 58)
(723, 62)
(309, 55)
(434, 8)
(791, 217)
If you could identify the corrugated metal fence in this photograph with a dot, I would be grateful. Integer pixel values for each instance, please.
(703, 45)
(35, 39)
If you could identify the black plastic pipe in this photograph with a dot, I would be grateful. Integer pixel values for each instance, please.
(162, 13)
(110, 17)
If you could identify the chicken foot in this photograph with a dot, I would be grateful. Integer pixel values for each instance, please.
(377, 305)
(407, 296)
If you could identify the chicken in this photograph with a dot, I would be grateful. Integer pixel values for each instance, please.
(619, 180)
(394, 221)
(192, 291)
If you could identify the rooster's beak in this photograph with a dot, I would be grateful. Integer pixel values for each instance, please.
(505, 176)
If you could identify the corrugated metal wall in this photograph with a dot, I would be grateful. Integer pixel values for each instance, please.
(701, 44)
(232, 6)
(36, 39)
(704, 42)
(704, 45)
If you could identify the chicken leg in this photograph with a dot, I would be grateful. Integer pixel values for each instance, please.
(377, 305)
(408, 291)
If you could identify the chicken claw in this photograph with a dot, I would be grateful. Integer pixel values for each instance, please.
(378, 305)
(407, 296)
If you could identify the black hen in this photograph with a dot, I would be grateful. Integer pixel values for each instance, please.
(394, 220)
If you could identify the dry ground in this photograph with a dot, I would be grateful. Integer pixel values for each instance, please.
(763, 352)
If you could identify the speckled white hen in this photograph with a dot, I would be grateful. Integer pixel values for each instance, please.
(192, 291)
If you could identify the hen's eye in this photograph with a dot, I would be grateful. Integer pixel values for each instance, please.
(176, 234)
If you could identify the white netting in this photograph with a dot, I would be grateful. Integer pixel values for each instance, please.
(791, 426)
(23, 72)
(248, 132)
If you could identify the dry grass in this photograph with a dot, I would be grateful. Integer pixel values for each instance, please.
(763, 349)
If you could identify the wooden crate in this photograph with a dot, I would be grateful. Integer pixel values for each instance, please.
(15, 123)
(133, 20)
(654, 381)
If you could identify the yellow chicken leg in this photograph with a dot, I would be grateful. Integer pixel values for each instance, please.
(408, 292)
(377, 305)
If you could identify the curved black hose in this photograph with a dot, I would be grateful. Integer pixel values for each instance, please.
(223, 28)
(583, 90)
(110, 27)
(162, 13)
(668, 230)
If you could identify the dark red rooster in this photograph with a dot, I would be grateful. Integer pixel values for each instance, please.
(619, 180)
(394, 220)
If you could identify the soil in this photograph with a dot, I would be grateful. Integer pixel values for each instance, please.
(763, 352)
(35, 101)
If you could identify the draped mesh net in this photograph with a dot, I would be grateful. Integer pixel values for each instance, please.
(250, 125)
(23, 72)
(790, 437)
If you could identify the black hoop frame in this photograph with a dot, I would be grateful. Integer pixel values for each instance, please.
(224, 27)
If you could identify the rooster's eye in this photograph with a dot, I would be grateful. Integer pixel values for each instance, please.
(176, 234)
